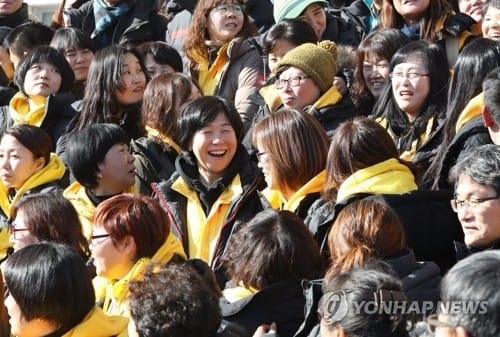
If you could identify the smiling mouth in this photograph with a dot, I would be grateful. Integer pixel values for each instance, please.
(217, 153)
(405, 93)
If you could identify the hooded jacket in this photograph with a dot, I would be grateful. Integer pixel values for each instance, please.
(140, 24)
(238, 202)
(117, 292)
(98, 324)
(301, 200)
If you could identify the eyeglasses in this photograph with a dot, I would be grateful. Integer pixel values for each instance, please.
(412, 77)
(457, 204)
(433, 322)
(13, 230)
(292, 81)
(93, 239)
(224, 9)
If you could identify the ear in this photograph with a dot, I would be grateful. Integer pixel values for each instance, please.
(488, 120)
(39, 163)
(461, 332)
(127, 246)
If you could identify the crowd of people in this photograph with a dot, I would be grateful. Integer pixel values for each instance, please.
(286, 168)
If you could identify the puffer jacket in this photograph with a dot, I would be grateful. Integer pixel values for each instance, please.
(140, 24)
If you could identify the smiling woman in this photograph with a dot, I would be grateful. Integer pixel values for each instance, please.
(223, 57)
(215, 183)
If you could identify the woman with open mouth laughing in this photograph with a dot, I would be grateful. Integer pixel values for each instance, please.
(222, 55)
(413, 108)
(214, 188)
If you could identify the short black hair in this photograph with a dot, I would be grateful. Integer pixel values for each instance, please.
(71, 39)
(475, 279)
(200, 112)
(87, 148)
(27, 36)
(35, 139)
(50, 281)
(49, 55)
(163, 53)
(491, 83)
(175, 300)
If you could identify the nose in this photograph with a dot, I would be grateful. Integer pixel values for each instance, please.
(464, 212)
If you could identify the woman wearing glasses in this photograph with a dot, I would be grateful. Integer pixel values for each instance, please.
(129, 232)
(26, 166)
(222, 55)
(292, 153)
(413, 108)
(304, 80)
(47, 217)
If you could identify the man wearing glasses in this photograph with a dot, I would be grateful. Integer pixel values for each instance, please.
(476, 176)
(470, 298)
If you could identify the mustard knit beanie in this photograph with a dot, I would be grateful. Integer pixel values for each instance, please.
(317, 61)
(291, 9)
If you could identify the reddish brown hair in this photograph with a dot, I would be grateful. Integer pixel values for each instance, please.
(138, 216)
(364, 230)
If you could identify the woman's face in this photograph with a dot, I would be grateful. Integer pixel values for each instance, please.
(153, 69)
(411, 86)
(225, 21)
(315, 15)
(21, 236)
(117, 170)
(411, 10)
(79, 60)
(17, 163)
(281, 47)
(19, 326)
(195, 93)
(111, 261)
(214, 147)
(491, 23)
(375, 73)
(473, 8)
(305, 93)
(133, 80)
(265, 163)
(42, 79)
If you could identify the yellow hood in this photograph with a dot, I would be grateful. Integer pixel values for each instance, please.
(278, 200)
(330, 97)
(117, 291)
(54, 170)
(75, 193)
(388, 177)
(25, 111)
(473, 109)
(167, 140)
(271, 97)
(98, 324)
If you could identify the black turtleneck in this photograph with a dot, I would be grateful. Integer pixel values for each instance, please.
(15, 19)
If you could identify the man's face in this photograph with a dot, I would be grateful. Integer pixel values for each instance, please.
(8, 7)
(480, 218)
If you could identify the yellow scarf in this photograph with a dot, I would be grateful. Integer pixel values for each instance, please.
(271, 97)
(54, 170)
(203, 231)
(167, 140)
(23, 110)
(278, 200)
(473, 109)
(330, 97)
(388, 177)
(98, 324)
(238, 293)
(117, 292)
(209, 76)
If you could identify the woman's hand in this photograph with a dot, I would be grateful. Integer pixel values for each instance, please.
(266, 331)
